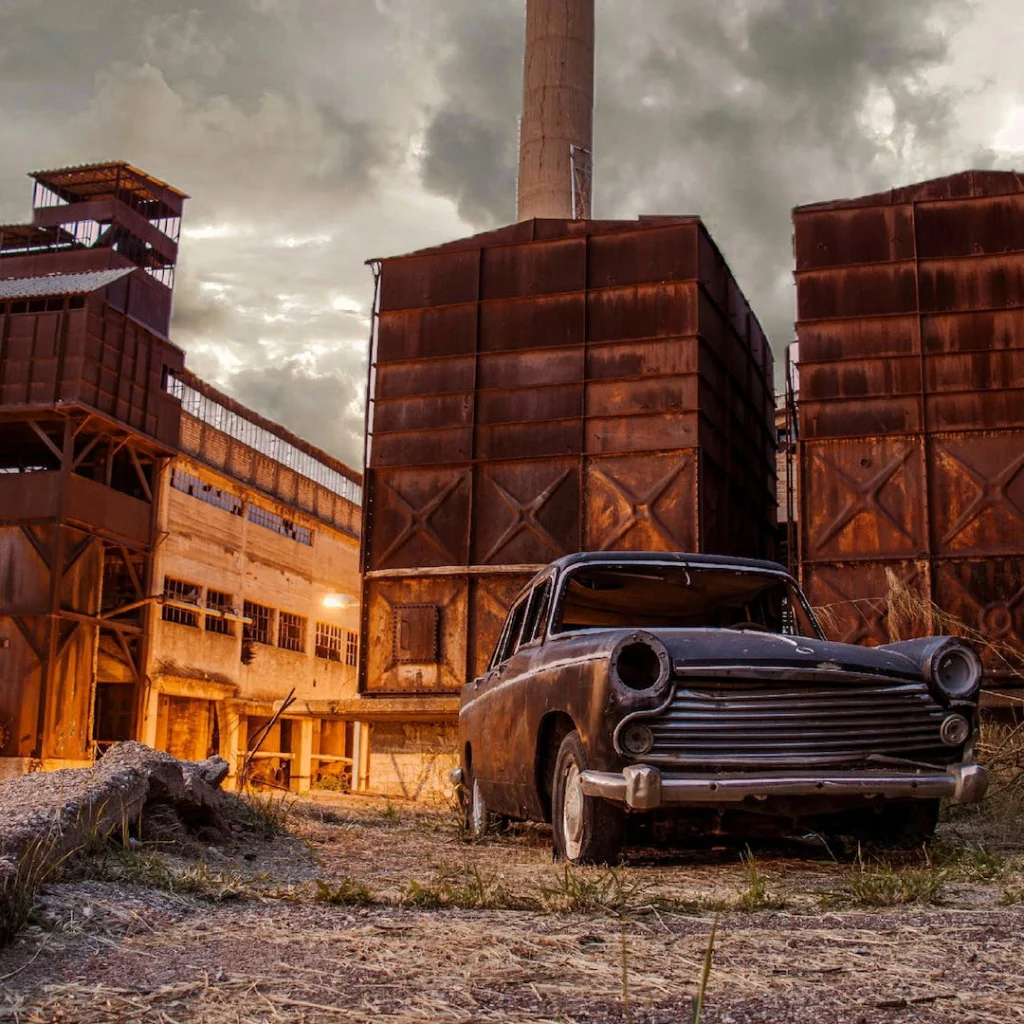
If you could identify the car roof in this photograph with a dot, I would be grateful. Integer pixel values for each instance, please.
(680, 557)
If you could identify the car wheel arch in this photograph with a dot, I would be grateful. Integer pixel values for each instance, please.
(553, 728)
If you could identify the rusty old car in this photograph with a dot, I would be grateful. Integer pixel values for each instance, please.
(674, 693)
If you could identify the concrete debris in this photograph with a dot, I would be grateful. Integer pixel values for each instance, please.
(46, 816)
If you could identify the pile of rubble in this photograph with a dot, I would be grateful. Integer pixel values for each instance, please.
(46, 816)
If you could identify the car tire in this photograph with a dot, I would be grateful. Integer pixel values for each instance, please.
(479, 820)
(587, 830)
(899, 825)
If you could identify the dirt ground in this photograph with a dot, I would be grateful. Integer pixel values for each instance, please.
(370, 911)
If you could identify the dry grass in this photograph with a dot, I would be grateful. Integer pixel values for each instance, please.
(390, 919)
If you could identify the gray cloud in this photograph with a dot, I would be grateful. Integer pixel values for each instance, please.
(314, 134)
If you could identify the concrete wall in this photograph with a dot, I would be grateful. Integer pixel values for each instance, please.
(412, 760)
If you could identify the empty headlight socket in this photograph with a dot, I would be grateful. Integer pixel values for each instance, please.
(641, 669)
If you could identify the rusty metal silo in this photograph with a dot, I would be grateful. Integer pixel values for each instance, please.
(911, 412)
(556, 132)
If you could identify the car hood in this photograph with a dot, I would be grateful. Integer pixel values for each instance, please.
(742, 650)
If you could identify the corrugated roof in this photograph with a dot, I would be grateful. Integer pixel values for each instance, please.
(88, 176)
(60, 284)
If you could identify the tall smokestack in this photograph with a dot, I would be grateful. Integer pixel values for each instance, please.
(556, 133)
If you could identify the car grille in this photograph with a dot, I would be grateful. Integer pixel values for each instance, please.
(748, 722)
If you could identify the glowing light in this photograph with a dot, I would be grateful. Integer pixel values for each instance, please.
(339, 601)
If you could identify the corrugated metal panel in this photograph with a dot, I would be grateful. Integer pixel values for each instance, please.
(96, 356)
(911, 406)
(52, 285)
(549, 387)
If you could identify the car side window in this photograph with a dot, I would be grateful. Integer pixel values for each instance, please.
(537, 612)
(510, 635)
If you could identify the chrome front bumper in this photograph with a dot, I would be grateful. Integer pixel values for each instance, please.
(642, 787)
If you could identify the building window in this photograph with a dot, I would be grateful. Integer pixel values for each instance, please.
(258, 631)
(291, 632)
(188, 593)
(285, 527)
(189, 484)
(329, 641)
(351, 649)
(221, 602)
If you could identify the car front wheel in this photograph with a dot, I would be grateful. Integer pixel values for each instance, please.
(478, 818)
(587, 830)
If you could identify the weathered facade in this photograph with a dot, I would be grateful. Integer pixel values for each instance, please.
(911, 411)
(256, 569)
(547, 388)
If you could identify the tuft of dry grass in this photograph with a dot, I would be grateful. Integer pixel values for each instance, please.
(465, 888)
(578, 892)
(756, 896)
(884, 884)
(345, 893)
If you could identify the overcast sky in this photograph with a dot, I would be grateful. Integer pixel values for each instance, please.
(314, 134)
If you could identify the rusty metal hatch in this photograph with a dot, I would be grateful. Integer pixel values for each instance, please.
(416, 632)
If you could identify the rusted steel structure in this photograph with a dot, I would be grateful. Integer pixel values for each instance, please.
(546, 388)
(557, 128)
(911, 408)
(85, 423)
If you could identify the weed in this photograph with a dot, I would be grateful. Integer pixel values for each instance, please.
(333, 782)
(705, 973)
(265, 814)
(577, 893)
(147, 868)
(1012, 895)
(971, 862)
(389, 812)
(345, 893)
(624, 958)
(464, 888)
(885, 886)
(18, 887)
(756, 895)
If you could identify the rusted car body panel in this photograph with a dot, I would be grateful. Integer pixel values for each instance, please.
(755, 720)
(911, 410)
(546, 388)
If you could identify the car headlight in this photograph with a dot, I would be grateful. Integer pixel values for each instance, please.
(640, 665)
(955, 672)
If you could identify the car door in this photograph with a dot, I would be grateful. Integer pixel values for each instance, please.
(492, 717)
(524, 678)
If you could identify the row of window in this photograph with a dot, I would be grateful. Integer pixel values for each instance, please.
(268, 626)
(254, 436)
(197, 488)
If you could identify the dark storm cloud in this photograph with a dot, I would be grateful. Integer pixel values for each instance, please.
(469, 152)
(313, 134)
(735, 110)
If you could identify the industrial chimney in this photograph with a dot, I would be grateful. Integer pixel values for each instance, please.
(556, 133)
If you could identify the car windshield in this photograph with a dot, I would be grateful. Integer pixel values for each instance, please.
(650, 596)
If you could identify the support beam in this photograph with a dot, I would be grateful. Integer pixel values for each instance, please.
(29, 638)
(45, 438)
(37, 545)
(141, 474)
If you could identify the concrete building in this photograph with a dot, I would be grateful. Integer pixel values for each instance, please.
(256, 565)
(172, 566)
